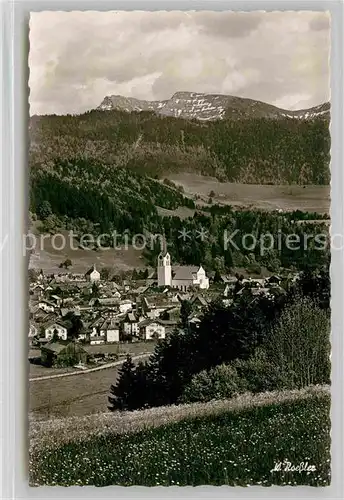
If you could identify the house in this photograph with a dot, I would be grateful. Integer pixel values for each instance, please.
(37, 290)
(225, 278)
(131, 325)
(112, 331)
(194, 320)
(140, 290)
(57, 353)
(55, 328)
(152, 329)
(198, 301)
(274, 280)
(97, 339)
(58, 300)
(103, 302)
(33, 330)
(171, 313)
(181, 277)
(92, 274)
(46, 306)
(169, 324)
(43, 318)
(104, 330)
(77, 277)
(125, 305)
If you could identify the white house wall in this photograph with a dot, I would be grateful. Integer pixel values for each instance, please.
(112, 336)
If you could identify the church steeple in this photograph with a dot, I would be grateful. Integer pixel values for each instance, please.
(164, 269)
(163, 245)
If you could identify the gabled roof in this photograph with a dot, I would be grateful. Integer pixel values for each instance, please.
(260, 291)
(45, 301)
(228, 279)
(150, 321)
(108, 301)
(58, 322)
(108, 324)
(183, 296)
(168, 322)
(130, 317)
(90, 271)
(34, 308)
(58, 347)
(141, 289)
(44, 317)
(194, 318)
(199, 298)
(55, 347)
(184, 272)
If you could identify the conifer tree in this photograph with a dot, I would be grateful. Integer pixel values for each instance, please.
(122, 393)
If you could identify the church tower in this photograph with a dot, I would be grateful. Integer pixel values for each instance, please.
(164, 269)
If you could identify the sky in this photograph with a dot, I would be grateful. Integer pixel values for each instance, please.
(77, 58)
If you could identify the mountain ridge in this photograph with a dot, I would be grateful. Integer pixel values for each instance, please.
(211, 107)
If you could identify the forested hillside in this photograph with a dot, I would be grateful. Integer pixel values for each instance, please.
(251, 150)
(102, 171)
(112, 198)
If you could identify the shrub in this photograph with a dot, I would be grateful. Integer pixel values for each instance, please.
(259, 374)
(220, 382)
(299, 344)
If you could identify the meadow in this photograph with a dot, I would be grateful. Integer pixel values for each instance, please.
(234, 445)
(308, 198)
(80, 394)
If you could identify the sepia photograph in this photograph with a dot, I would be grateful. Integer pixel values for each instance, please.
(179, 248)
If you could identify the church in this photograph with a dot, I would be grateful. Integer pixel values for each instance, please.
(180, 277)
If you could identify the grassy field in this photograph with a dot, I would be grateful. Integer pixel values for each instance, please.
(265, 197)
(181, 212)
(48, 258)
(76, 395)
(235, 446)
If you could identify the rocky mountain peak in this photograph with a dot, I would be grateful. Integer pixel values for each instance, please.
(210, 107)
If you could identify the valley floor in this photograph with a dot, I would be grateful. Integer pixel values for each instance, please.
(75, 395)
(307, 198)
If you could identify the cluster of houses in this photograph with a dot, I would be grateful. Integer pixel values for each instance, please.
(98, 312)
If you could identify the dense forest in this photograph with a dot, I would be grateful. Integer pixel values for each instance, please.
(92, 198)
(104, 171)
(111, 198)
(251, 150)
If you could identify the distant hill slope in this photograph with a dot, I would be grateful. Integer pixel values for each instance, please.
(252, 149)
(194, 105)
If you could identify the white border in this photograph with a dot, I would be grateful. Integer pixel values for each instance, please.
(13, 303)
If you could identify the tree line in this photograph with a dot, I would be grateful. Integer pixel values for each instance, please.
(251, 345)
(251, 150)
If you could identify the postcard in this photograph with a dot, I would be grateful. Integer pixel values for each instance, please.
(179, 248)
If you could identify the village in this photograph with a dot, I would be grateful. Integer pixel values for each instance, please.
(83, 319)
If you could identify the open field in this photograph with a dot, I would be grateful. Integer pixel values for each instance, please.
(75, 395)
(45, 255)
(181, 212)
(265, 197)
(233, 442)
